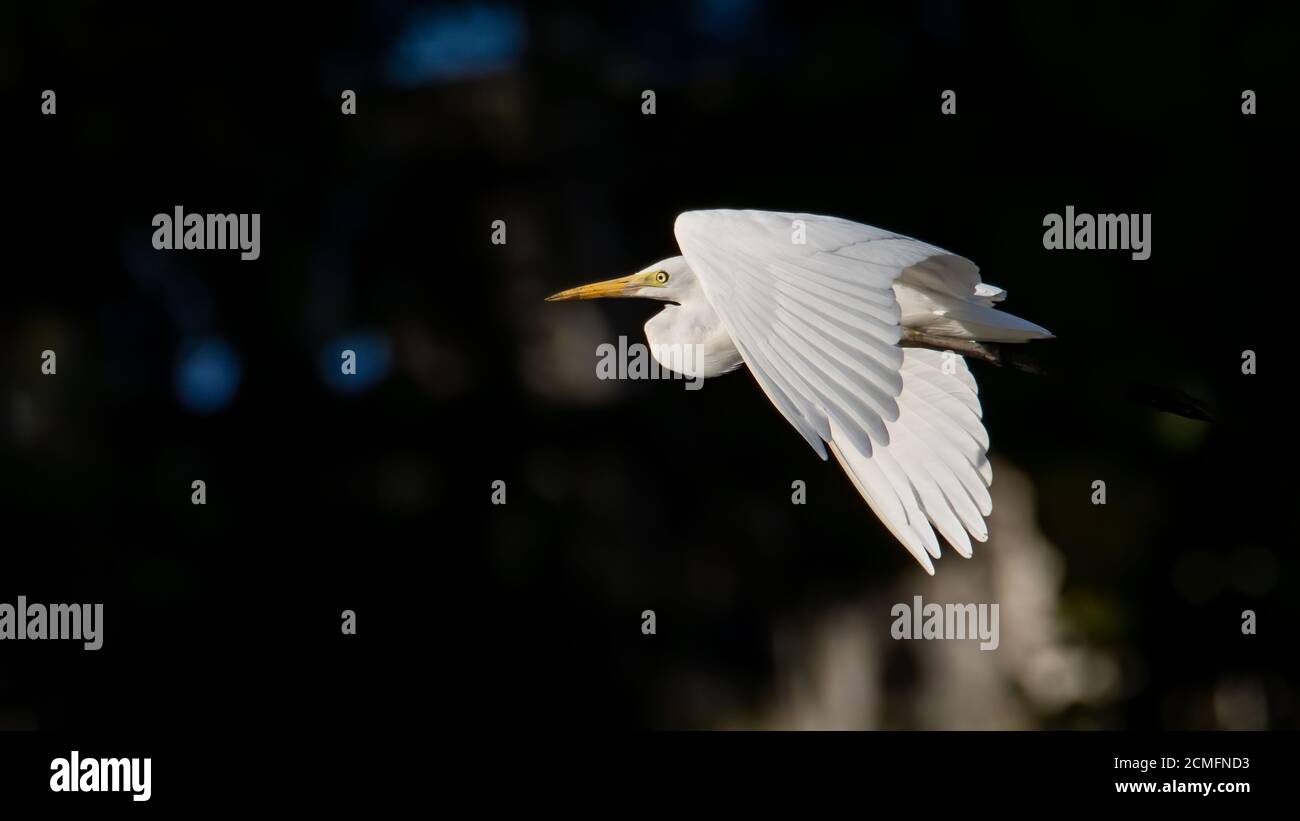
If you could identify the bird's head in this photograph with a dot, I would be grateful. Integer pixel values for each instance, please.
(669, 280)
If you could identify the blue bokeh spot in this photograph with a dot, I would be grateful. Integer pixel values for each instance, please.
(456, 44)
(208, 372)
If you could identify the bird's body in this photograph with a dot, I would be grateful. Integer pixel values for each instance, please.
(695, 324)
(816, 307)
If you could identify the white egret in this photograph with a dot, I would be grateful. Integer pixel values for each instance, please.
(817, 308)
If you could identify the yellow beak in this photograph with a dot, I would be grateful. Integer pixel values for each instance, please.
(621, 287)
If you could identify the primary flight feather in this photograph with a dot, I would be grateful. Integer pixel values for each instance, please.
(816, 307)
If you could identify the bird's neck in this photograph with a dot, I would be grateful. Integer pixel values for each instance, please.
(691, 340)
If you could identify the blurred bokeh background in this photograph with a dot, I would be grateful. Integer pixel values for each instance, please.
(372, 493)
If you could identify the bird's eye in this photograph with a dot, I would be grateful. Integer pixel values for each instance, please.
(662, 277)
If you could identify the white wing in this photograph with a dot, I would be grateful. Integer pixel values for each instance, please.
(809, 303)
(934, 473)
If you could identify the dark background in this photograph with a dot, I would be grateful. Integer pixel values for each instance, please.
(373, 494)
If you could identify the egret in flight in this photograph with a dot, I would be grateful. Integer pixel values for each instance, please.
(855, 334)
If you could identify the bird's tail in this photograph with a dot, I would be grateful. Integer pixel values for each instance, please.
(964, 314)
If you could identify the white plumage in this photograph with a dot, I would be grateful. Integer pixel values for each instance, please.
(816, 307)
